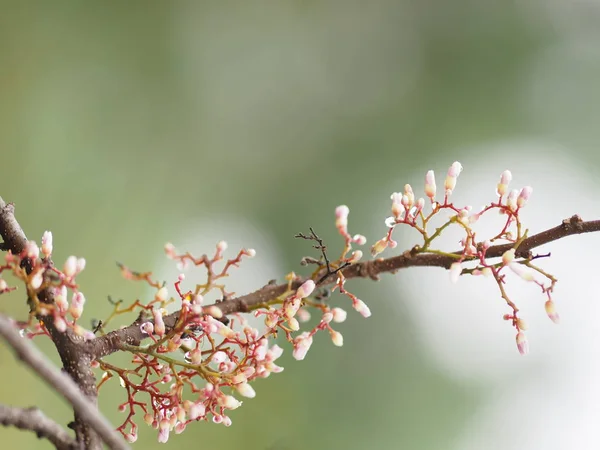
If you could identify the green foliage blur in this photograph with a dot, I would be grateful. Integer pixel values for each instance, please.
(125, 125)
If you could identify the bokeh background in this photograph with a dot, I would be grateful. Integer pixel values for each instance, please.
(125, 125)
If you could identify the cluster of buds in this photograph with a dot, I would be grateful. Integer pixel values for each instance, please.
(200, 360)
(405, 210)
(34, 267)
(215, 357)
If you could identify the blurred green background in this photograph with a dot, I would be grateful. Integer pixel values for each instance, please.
(125, 125)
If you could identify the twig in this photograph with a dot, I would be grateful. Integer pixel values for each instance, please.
(132, 335)
(61, 383)
(33, 419)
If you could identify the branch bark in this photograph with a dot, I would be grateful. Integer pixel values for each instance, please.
(32, 419)
(91, 428)
(132, 335)
(61, 383)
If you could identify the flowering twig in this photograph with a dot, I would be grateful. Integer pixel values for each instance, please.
(32, 419)
(199, 356)
(132, 334)
(91, 428)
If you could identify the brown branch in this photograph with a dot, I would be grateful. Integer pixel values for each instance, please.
(32, 419)
(71, 349)
(61, 383)
(132, 334)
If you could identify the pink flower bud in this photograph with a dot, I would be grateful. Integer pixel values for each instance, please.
(341, 218)
(306, 289)
(505, 179)
(159, 324)
(77, 303)
(359, 239)
(524, 196)
(161, 295)
(522, 271)
(455, 271)
(420, 205)
(219, 357)
(361, 307)
(221, 246)
(302, 344)
(430, 187)
(226, 332)
(453, 173)
(339, 315)
(164, 427)
(511, 200)
(410, 195)
(337, 338)
(60, 324)
(303, 315)
(32, 250)
(522, 344)
(170, 250)
(229, 402)
(70, 267)
(37, 279)
(508, 256)
(47, 243)
(245, 390)
(397, 207)
(522, 325)
(379, 247)
(213, 311)
(197, 410)
(551, 311)
(291, 307)
(355, 256)
(80, 264)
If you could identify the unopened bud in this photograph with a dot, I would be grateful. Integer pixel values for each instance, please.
(551, 311)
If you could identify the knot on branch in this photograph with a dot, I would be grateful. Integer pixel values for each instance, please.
(575, 222)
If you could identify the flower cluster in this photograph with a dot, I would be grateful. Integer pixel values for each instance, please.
(34, 267)
(509, 203)
(196, 363)
(200, 361)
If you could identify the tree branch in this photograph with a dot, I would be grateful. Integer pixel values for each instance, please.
(61, 383)
(132, 335)
(33, 419)
(76, 361)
